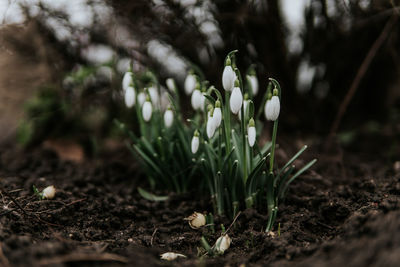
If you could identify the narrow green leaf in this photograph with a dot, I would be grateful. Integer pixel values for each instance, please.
(149, 196)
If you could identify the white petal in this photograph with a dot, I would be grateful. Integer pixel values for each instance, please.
(130, 97)
(190, 84)
(170, 256)
(170, 84)
(266, 109)
(275, 108)
(254, 83)
(153, 92)
(141, 98)
(168, 118)
(126, 80)
(251, 134)
(217, 117)
(147, 110)
(210, 127)
(195, 144)
(196, 99)
(245, 103)
(222, 243)
(49, 192)
(236, 100)
(228, 78)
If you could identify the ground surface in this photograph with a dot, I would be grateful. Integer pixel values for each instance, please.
(345, 212)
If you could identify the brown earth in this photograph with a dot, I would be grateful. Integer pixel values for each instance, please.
(343, 212)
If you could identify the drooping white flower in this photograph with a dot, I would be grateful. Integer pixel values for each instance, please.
(195, 142)
(272, 108)
(222, 243)
(130, 97)
(252, 79)
(168, 117)
(127, 80)
(251, 132)
(236, 100)
(228, 78)
(196, 99)
(147, 110)
(49, 192)
(170, 84)
(141, 98)
(202, 101)
(217, 114)
(210, 127)
(154, 96)
(190, 83)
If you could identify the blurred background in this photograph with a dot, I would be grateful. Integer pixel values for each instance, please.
(62, 62)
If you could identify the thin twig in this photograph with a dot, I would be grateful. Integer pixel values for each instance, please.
(233, 222)
(360, 74)
(152, 236)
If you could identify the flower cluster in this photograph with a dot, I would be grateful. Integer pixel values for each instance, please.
(216, 148)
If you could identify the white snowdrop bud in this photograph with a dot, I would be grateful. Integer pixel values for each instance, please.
(210, 123)
(222, 243)
(155, 98)
(274, 108)
(49, 192)
(147, 110)
(267, 108)
(127, 80)
(141, 98)
(236, 99)
(196, 99)
(228, 76)
(217, 114)
(195, 142)
(196, 220)
(170, 256)
(130, 97)
(170, 84)
(251, 132)
(252, 79)
(168, 117)
(190, 83)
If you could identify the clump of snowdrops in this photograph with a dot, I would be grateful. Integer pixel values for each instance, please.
(217, 147)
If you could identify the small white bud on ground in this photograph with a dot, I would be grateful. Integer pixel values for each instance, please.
(168, 118)
(190, 84)
(49, 192)
(236, 100)
(130, 97)
(127, 80)
(170, 256)
(195, 142)
(147, 110)
(196, 220)
(223, 243)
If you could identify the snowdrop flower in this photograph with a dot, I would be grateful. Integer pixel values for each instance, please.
(202, 100)
(195, 142)
(130, 97)
(196, 220)
(147, 110)
(236, 99)
(49, 192)
(272, 107)
(251, 132)
(168, 117)
(190, 83)
(252, 80)
(228, 76)
(153, 92)
(170, 84)
(164, 99)
(197, 98)
(222, 243)
(127, 80)
(217, 114)
(141, 98)
(210, 123)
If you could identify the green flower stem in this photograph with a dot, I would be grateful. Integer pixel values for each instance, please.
(272, 157)
(227, 124)
(242, 126)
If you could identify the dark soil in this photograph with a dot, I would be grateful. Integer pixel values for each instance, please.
(345, 212)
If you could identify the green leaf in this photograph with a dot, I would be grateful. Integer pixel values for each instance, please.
(306, 167)
(292, 159)
(149, 196)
